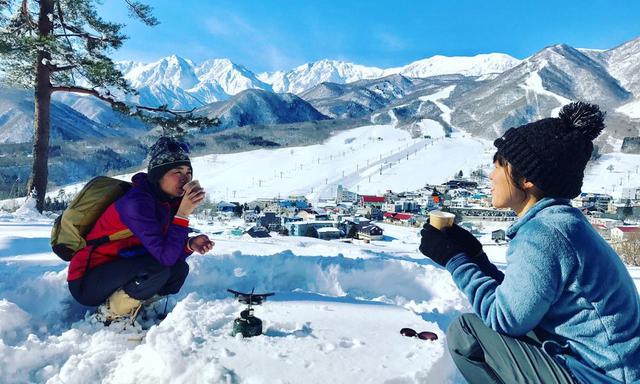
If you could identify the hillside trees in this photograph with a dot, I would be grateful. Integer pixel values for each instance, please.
(63, 46)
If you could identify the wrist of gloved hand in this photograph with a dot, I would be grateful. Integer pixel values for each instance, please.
(438, 245)
(465, 240)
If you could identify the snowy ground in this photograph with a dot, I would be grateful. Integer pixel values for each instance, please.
(335, 317)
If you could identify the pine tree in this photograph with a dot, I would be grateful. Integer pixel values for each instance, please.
(63, 46)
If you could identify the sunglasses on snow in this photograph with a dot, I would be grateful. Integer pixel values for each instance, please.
(424, 335)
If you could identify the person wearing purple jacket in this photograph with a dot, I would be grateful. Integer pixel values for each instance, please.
(121, 275)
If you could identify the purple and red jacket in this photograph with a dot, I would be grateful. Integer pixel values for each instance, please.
(156, 230)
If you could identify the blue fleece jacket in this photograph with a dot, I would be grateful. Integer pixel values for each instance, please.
(563, 278)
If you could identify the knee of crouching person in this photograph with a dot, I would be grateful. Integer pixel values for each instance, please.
(182, 268)
(458, 335)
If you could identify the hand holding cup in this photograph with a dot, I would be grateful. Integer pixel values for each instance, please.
(193, 196)
(441, 220)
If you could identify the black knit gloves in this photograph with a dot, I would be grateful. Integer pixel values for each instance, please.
(441, 246)
(469, 244)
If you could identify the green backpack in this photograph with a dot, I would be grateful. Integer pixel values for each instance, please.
(70, 228)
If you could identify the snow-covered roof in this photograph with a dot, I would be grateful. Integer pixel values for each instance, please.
(327, 229)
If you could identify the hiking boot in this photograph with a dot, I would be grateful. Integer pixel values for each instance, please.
(153, 310)
(119, 306)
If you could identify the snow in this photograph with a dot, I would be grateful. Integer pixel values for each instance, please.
(368, 160)
(533, 87)
(218, 79)
(631, 109)
(441, 95)
(308, 75)
(479, 65)
(624, 174)
(335, 317)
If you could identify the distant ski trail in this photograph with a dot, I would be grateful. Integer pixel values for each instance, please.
(380, 165)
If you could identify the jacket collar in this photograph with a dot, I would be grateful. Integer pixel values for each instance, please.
(532, 212)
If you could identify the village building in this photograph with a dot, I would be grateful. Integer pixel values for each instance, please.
(401, 206)
(270, 221)
(401, 218)
(308, 228)
(224, 206)
(461, 183)
(598, 201)
(482, 213)
(370, 232)
(311, 214)
(344, 195)
(372, 212)
(258, 232)
(498, 235)
(372, 201)
(328, 233)
(631, 194)
(625, 233)
(249, 216)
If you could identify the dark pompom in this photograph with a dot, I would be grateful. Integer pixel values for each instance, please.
(584, 117)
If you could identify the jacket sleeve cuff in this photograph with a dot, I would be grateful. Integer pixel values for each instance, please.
(456, 261)
(181, 221)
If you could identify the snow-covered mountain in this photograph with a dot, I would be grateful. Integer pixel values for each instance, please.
(181, 84)
(231, 77)
(256, 106)
(218, 79)
(479, 65)
(623, 63)
(309, 75)
(492, 91)
(534, 89)
(16, 120)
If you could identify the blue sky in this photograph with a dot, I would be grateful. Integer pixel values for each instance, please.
(268, 35)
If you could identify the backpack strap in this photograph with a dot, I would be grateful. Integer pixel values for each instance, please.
(125, 233)
(95, 243)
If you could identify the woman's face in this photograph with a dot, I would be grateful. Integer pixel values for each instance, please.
(504, 193)
(172, 182)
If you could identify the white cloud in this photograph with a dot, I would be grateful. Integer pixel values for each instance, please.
(391, 41)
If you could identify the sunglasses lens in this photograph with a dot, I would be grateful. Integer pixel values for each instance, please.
(408, 332)
(426, 335)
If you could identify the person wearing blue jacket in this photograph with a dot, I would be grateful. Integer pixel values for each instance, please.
(565, 310)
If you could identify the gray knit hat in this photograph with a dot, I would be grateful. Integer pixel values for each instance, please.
(166, 154)
(552, 153)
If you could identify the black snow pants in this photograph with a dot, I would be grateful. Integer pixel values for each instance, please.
(141, 277)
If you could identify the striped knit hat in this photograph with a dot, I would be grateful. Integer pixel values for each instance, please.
(166, 154)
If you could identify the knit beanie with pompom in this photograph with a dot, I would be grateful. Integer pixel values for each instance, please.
(552, 153)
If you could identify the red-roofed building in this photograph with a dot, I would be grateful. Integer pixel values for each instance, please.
(371, 201)
(405, 218)
(625, 233)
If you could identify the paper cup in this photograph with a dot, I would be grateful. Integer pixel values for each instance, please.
(440, 220)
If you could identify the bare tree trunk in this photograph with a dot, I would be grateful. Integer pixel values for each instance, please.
(40, 170)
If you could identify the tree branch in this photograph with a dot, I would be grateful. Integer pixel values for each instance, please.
(26, 16)
(112, 101)
(54, 68)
